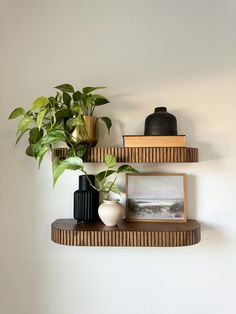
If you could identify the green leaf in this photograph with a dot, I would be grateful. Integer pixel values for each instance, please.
(53, 137)
(16, 113)
(70, 152)
(87, 100)
(100, 100)
(66, 98)
(127, 168)
(57, 168)
(59, 126)
(30, 151)
(61, 114)
(41, 116)
(58, 97)
(76, 96)
(104, 174)
(52, 100)
(74, 162)
(35, 135)
(77, 108)
(87, 90)
(36, 149)
(74, 122)
(80, 150)
(113, 187)
(50, 138)
(21, 133)
(110, 161)
(55, 163)
(53, 117)
(26, 120)
(43, 150)
(108, 123)
(39, 102)
(70, 123)
(65, 88)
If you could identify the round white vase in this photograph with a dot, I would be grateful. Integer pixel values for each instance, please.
(111, 212)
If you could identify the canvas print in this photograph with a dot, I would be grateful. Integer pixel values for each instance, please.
(156, 197)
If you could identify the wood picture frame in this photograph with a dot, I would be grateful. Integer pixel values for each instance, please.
(156, 197)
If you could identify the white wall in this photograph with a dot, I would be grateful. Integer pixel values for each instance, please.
(148, 53)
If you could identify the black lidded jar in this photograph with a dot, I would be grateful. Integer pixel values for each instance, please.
(160, 123)
(86, 200)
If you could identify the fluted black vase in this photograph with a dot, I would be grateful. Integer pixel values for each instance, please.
(86, 201)
(160, 123)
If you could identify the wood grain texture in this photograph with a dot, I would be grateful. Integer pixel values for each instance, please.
(137, 154)
(154, 141)
(140, 234)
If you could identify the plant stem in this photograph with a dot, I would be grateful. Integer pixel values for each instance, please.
(87, 177)
(112, 184)
(93, 108)
(72, 146)
(105, 194)
(70, 135)
(103, 181)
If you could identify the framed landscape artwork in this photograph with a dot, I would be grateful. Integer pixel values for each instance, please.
(156, 197)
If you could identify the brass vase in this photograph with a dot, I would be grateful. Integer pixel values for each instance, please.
(86, 134)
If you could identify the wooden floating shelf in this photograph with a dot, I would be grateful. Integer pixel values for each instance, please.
(138, 234)
(137, 154)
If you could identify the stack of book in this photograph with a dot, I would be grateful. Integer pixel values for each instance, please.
(153, 141)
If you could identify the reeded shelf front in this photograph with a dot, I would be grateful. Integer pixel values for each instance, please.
(126, 234)
(137, 154)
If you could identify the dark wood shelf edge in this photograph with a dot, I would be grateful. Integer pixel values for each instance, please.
(137, 154)
(126, 234)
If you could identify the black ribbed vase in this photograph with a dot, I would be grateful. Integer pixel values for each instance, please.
(160, 123)
(86, 201)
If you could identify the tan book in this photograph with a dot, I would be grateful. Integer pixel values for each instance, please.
(153, 141)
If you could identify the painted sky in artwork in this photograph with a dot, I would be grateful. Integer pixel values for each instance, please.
(144, 187)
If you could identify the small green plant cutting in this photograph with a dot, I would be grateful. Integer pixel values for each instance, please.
(52, 120)
(104, 184)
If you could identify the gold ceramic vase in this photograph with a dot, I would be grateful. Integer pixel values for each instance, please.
(86, 134)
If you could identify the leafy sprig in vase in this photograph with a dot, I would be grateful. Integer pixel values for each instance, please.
(110, 211)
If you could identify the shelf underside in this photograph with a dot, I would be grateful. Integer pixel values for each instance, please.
(137, 154)
(126, 234)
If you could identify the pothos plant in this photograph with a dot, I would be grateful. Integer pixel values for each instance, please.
(105, 180)
(52, 120)
(82, 102)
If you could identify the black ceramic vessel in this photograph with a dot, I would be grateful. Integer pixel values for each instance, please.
(86, 201)
(160, 123)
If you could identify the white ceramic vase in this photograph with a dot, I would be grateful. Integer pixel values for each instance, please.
(111, 212)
